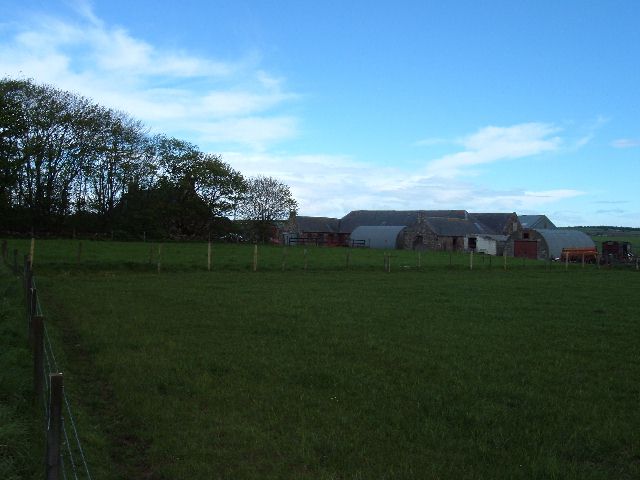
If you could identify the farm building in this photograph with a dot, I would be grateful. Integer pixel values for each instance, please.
(546, 243)
(378, 237)
(416, 229)
(535, 221)
(314, 231)
(486, 243)
(499, 223)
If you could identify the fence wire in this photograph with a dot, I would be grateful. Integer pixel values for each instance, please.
(73, 462)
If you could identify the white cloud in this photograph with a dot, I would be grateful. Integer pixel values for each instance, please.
(626, 143)
(334, 185)
(492, 144)
(228, 102)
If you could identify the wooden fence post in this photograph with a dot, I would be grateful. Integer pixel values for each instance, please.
(583, 260)
(209, 256)
(54, 430)
(38, 356)
(32, 251)
(255, 257)
(159, 258)
(33, 308)
(471, 260)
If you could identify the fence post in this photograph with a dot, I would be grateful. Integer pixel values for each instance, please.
(284, 258)
(33, 303)
(159, 258)
(32, 251)
(255, 257)
(54, 428)
(471, 260)
(209, 256)
(38, 356)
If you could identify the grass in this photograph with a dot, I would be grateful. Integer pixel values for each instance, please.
(20, 442)
(333, 373)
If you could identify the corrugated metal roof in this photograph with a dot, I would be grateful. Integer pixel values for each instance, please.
(557, 239)
(496, 222)
(454, 227)
(379, 218)
(535, 221)
(379, 236)
(317, 224)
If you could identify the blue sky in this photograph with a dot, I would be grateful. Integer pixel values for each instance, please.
(531, 107)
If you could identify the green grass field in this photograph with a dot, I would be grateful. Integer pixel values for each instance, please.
(20, 438)
(344, 373)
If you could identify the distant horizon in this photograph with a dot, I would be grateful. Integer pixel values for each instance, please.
(371, 105)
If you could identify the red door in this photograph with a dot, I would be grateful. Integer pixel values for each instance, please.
(525, 248)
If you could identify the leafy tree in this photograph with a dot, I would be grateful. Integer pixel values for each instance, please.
(266, 200)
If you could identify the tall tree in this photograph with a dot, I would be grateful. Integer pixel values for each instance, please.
(266, 200)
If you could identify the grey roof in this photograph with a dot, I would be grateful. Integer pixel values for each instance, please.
(497, 238)
(497, 222)
(455, 227)
(381, 218)
(535, 221)
(379, 236)
(317, 224)
(557, 239)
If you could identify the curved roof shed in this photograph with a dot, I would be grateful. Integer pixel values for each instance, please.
(557, 239)
(380, 237)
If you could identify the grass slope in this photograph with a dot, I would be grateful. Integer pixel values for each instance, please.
(442, 373)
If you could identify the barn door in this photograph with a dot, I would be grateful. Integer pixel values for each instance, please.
(525, 248)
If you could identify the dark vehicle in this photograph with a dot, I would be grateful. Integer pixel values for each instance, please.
(617, 252)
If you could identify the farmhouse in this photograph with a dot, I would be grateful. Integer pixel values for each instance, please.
(546, 243)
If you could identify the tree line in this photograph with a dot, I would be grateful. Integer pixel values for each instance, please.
(69, 164)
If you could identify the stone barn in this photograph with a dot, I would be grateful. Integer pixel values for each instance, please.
(545, 244)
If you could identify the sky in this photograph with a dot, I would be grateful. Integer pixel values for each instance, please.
(488, 106)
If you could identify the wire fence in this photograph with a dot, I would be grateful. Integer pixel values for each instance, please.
(67, 459)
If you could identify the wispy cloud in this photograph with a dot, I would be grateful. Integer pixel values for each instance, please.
(492, 144)
(231, 102)
(334, 185)
(626, 143)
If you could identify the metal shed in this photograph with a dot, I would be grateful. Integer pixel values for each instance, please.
(557, 239)
(379, 237)
(547, 243)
